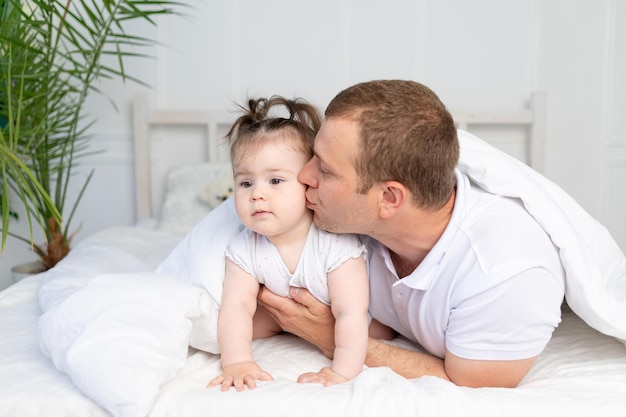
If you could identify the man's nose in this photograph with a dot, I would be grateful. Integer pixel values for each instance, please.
(305, 176)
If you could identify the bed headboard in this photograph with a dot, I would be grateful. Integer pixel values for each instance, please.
(210, 125)
(530, 122)
(520, 133)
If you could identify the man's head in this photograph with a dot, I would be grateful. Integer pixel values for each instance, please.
(375, 136)
(405, 134)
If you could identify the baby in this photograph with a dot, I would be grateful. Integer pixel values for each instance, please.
(280, 247)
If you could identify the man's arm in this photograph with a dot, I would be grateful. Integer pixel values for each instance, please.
(408, 363)
(313, 321)
(464, 372)
(474, 373)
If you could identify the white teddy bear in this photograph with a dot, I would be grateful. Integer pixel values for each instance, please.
(217, 192)
(192, 192)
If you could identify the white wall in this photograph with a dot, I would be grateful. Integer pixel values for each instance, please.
(484, 55)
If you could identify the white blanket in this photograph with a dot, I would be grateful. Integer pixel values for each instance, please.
(595, 266)
(121, 331)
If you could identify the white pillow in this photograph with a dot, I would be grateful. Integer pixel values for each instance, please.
(199, 258)
(191, 192)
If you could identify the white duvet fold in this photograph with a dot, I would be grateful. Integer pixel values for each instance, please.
(595, 266)
(119, 330)
(121, 336)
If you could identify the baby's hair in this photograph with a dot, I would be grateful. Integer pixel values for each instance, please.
(257, 124)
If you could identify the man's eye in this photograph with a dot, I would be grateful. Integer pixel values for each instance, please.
(324, 171)
(275, 181)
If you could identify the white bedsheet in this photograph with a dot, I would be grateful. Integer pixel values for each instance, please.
(581, 373)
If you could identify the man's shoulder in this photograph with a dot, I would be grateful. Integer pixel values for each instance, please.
(499, 231)
(500, 215)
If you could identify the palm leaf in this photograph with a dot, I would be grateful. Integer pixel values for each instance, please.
(50, 61)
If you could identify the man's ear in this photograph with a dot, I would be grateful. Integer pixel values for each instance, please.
(393, 196)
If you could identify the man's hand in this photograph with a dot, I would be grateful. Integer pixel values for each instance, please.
(302, 315)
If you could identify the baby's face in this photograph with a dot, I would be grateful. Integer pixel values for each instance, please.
(268, 197)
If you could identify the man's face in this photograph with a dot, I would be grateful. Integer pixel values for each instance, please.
(333, 182)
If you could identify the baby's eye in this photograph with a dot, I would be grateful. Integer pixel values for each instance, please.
(275, 181)
(246, 184)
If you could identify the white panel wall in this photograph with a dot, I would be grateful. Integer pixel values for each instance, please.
(478, 54)
(614, 123)
(582, 65)
(484, 55)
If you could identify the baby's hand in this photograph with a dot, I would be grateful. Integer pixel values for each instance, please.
(325, 376)
(240, 375)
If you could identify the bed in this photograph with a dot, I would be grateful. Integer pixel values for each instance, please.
(123, 326)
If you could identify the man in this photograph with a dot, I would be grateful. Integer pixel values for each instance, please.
(469, 276)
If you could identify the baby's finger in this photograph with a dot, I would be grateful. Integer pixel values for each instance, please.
(238, 382)
(215, 381)
(227, 383)
(249, 381)
(264, 376)
(309, 377)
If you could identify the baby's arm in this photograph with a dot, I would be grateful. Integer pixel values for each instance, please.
(235, 331)
(349, 297)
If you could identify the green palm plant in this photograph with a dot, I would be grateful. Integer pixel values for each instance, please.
(53, 53)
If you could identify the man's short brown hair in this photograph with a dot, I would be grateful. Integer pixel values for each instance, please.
(407, 135)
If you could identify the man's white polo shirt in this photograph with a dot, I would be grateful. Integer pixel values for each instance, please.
(490, 289)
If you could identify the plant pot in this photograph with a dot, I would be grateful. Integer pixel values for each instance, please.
(27, 269)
